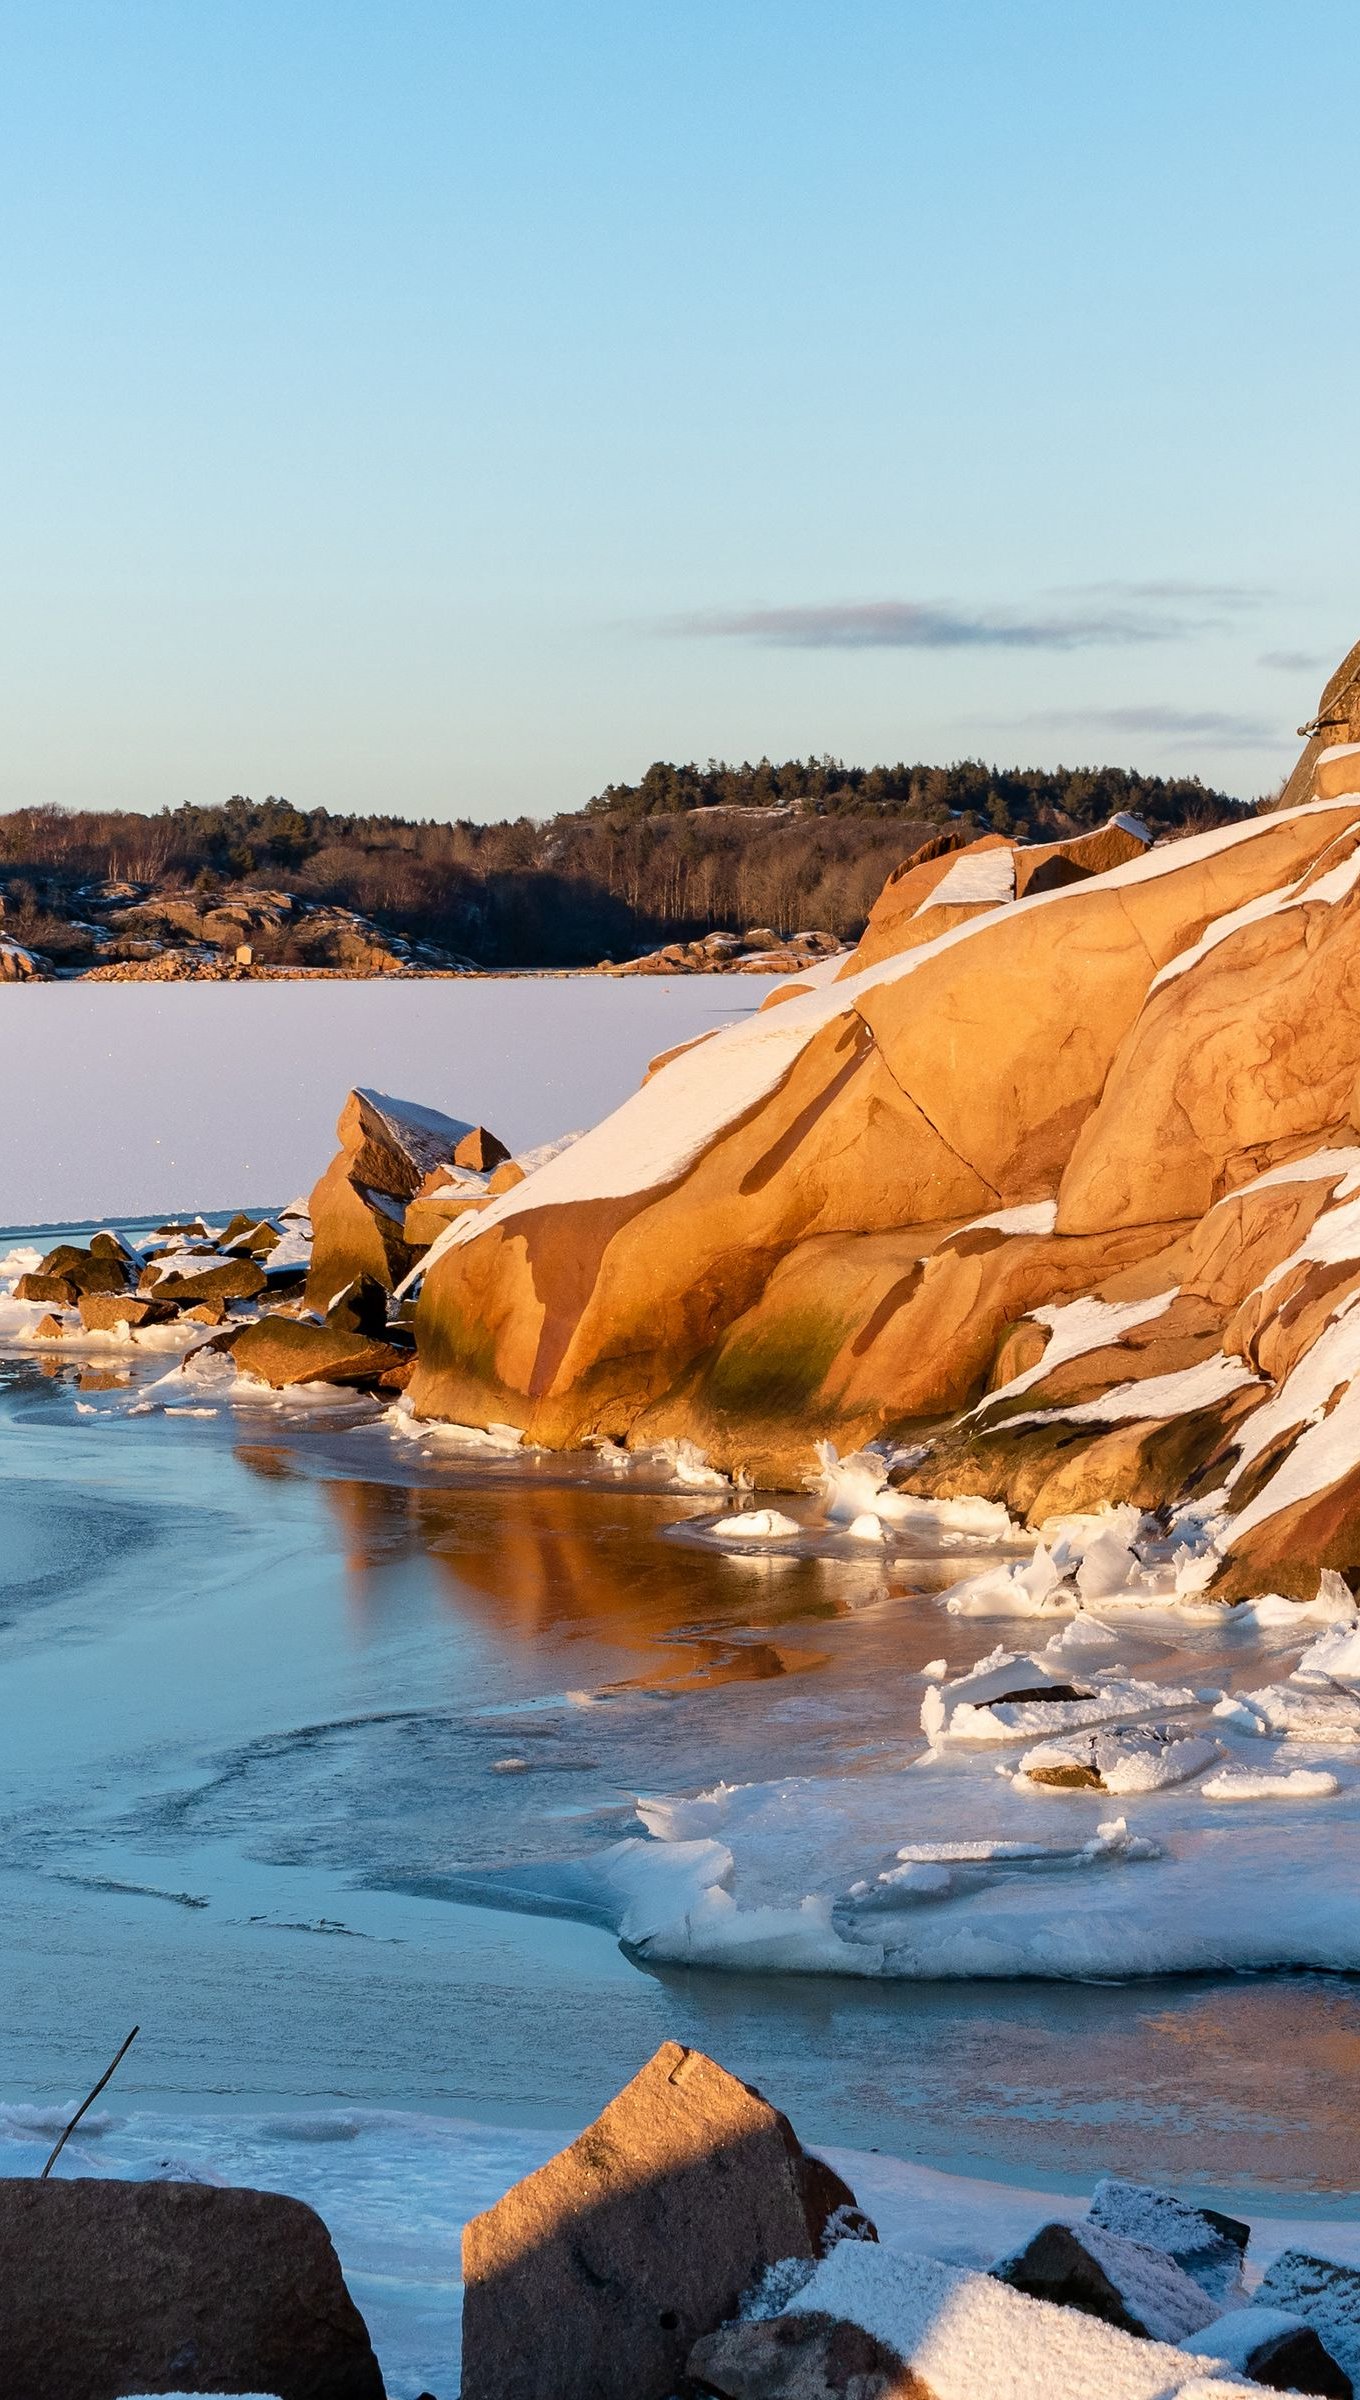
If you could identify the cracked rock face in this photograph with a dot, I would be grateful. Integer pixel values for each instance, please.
(1041, 1084)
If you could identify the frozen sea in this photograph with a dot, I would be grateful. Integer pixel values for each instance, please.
(325, 1750)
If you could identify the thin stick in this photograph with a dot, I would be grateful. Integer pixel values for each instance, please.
(108, 2071)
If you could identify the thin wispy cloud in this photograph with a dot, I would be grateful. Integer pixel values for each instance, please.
(927, 625)
(1094, 616)
(1219, 726)
(1295, 662)
(1220, 596)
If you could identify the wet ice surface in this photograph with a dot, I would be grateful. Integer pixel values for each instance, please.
(289, 1690)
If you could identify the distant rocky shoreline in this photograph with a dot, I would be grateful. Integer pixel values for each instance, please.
(141, 932)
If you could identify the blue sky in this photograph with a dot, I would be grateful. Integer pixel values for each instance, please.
(449, 408)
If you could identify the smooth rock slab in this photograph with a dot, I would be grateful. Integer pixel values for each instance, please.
(285, 1350)
(594, 2277)
(108, 2288)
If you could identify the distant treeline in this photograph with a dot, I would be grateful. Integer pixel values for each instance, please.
(687, 850)
(1003, 799)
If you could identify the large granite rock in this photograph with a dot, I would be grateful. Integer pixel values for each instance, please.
(54, 1291)
(1087, 1071)
(103, 1312)
(102, 1270)
(358, 1209)
(594, 2277)
(235, 1279)
(107, 2288)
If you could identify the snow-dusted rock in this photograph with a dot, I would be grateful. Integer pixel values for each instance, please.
(1126, 2283)
(388, 1147)
(1325, 2294)
(1125, 1760)
(1275, 2348)
(959, 2336)
(1208, 2245)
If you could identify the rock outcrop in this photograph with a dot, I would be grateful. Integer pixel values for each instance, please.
(1052, 1182)
(761, 951)
(594, 2277)
(110, 2287)
(388, 1148)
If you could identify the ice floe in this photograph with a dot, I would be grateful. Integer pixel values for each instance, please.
(1294, 1783)
(757, 1525)
(1294, 1713)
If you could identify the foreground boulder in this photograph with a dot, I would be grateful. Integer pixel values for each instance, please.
(800, 2358)
(387, 1149)
(107, 2288)
(594, 2277)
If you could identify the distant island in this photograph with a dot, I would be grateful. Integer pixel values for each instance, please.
(685, 852)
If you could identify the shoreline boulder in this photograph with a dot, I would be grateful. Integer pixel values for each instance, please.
(109, 2287)
(594, 2277)
(283, 1350)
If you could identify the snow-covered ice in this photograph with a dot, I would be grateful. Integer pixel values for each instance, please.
(1294, 1783)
